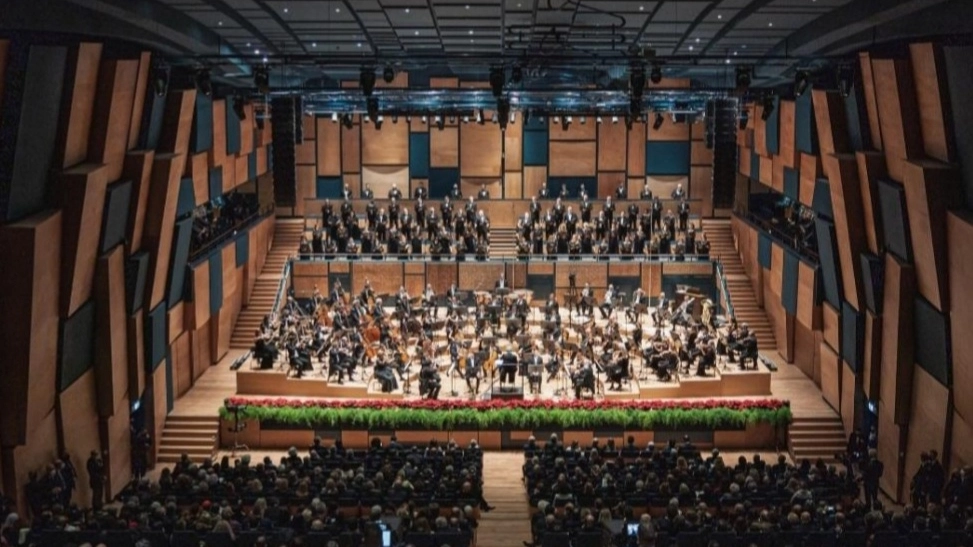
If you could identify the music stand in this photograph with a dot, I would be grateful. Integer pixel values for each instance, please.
(236, 428)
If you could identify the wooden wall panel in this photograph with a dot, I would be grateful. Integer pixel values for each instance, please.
(328, 145)
(927, 424)
(198, 309)
(767, 171)
(384, 278)
(78, 416)
(898, 344)
(160, 220)
(807, 345)
(871, 102)
(929, 75)
(478, 277)
(759, 130)
(613, 147)
(480, 149)
(891, 443)
(576, 130)
(135, 331)
(241, 170)
(178, 121)
(871, 167)
(386, 146)
(182, 365)
(444, 147)
(776, 278)
(513, 151)
(898, 113)
(701, 188)
(201, 346)
(872, 358)
(745, 156)
(247, 127)
(810, 171)
(112, 115)
(636, 150)
(381, 179)
(217, 154)
(117, 442)
(82, 194)
(138, 103)
(513, 185)
(221, 325)
(831, 325)
(351, 148)
(306, 186)
(850, 385)
(595, 274)
(832, 124)
(846, 201)
(77, 126)
(669, 131)
(572, 159)
(609, 182)
(111, 340)
(176, 321)
(930, 189)
(30, 253)
(535, 178)
(959, 236)
(441, 276)
(789, 153)
(777, 174)
(830, 376)
(808, 311)
(305, 153)
(701, 154)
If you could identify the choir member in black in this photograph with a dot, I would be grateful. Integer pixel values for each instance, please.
(609, 209)
(429, 381)
(537, 243)
(601, 225)
(562, 240)
(621, 192)
(574, 247)
(341, 239)
(542, 192)
(394, 245)
(419, 207)
(550, 226)
(382, 226)
(432, 223)
(420, 192)
(523, 247)
(470, 211)
(456, 193)
(679, 192)
(627, 246)
(416, 243)
(534, 211)
(347, 212)
(656, 214)
(587, 242)
(368, 245)
(327, 211)
(525, 226)
(446, 209)
(406, 223)
(330, 248)
(317, 242)
(371, 214)
(571, 222)
(482, 227)
(564, 191)
(385, 374)
(585, 208)
(670, 223)
(395, 210)
(690, 238)
(395, 193)
(645, 193)
(482, 250)
(483, 193)
(367, 193)
(683, 210)
(558, 211)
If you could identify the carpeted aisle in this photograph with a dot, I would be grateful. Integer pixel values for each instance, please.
(508, 525)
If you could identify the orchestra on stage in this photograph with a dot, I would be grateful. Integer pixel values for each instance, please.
(493, 343)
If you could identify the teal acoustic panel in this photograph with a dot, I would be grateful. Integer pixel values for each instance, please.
(772, 134)
(754, 166)
(821, 200)
(419, 155)
(180, 257)
(252, 165)
(792, 183)
(788, 290)
(764, 250)
(76, 345)
(805, 132)
(187, 198)
(329, 187)
(536, 137)
(667, 158)
(441, 181)
(156, 337)
(242, 248)
(215, 183)
(232, 130)
(201, 138)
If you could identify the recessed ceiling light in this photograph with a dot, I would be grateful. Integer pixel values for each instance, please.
(744, 46)
(248, 44)
(641, 8)
(472, 40)
(719, 15)
(219, 23)
(467, 6)
(359, 44)
(314, 44)
(471, 31)
(735, 52)
(286, 10)
(407, 10)
(337, 10)
(417, 33)
(727, 61)
(770, 23)
(690, 48)
(256, 52)
(697, 40)
(265, 59)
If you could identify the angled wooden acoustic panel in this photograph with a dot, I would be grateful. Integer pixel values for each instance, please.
(82, 193)
(138, 169)
(789, 154)
(386, 146)
(612, 146)
(138, 103)
(872, 356)
(927, 423)
(871, 168)
(851, 411)
(871, 102)
(135, 330)
(111, 342)
(178, 123)
(898, 113)
(160, 220)
(830, 376)
(810, 172)
(959, 237)
(846, 203)
(480, 150)
(808, 296)
(197, 168)
(30, 253)
(931, 188)
(217, 154)
(898, 344)
(83, 85)
(929, 74)
(891, 445)
(112, 117)
(832, 124)
(77, 417)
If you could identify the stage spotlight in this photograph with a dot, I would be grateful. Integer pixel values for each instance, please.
(614, 119)
(466, 119)
(656, 75)
(261, 79)
(659, 120)
(371, 106)
(583, 119)
(598, 119)
(379, 120)
(395, 118)
(160, 80)
(496, 81)
(348, 121)
(513, 115)
(440, 123)
(636, 81)
(744, 76)
(768, 104)
(366, 81)
(408, 119)
(801, 80)
(565, 122)
(425, 119)
(628, 122)
(203, 82)
(239, 108)
(479, 116)
(388, 74)
(517, 74)
(846, 80)
(334, 117)
(452, 120)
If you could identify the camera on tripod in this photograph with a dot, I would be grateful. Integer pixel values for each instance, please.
(238, 425)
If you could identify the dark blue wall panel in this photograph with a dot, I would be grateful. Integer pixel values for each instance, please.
(788, 290)
(828, 258)
(805, 132)
(536, 138)
(29, 127)
(242, 248)
(187, 198)
(574, 186)
(704, 283)
(156, 337)
(873, 277)
(895, 219)
(215, 282)
(667, 157)
(329, 187)
(542, 285)
(117, 202)
(252, 165)
(419, 155)
(852, 336)
(441, 181)
(215, 183)
(764, 250)
(201, 138)
(76, 346)
(853, 114)
(821, 200)
(773, 129)
(754, 166)
(155, 109)
(933, 342)
(792, 183)
(180, 257)
(232, 130)
(136, 268)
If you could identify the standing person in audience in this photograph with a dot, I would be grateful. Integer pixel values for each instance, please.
(96, 480)
(871, 475)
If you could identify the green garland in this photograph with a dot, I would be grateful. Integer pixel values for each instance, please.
(515, 418)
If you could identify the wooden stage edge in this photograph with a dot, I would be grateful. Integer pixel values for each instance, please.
(725, 384)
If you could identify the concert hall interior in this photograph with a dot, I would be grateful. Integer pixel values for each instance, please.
(389, 273)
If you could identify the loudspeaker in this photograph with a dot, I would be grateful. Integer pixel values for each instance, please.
(873, 276)
(298, 122)
(284, 159)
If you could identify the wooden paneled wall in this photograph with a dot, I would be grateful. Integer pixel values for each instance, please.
(910, 143)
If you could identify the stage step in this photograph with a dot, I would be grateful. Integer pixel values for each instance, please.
(194, 436)
(816, 437)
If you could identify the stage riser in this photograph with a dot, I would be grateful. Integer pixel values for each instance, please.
(757, 436)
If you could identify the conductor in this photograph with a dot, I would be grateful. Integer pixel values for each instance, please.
(508, 366)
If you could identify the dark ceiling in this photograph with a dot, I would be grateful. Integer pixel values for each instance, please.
(585, 41)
